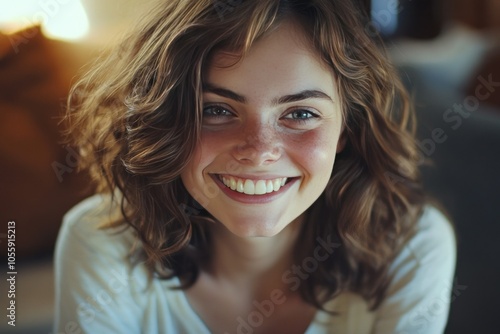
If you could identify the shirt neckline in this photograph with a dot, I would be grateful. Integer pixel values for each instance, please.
(200, 323)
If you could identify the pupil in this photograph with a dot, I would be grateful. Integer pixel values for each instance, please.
(301, 114)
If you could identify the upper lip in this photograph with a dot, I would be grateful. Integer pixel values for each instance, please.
(254, 176)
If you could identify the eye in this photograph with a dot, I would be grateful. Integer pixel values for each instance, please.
(215, 111)
(216, 114)
(300, 115)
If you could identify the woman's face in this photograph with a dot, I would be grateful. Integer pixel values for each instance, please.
(271, 128)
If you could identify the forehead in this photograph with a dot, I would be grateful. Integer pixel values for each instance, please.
(280, 62)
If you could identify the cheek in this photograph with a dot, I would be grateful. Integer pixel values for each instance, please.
(195, 180)
(209, 147)
(315, 151)
(192, 174)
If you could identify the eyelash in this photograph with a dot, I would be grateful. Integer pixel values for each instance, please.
(229, 113)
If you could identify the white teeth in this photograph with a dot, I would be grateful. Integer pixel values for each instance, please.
(276, 184)
(260, 187)
(269, 186)
(251, 187)
(239, 186)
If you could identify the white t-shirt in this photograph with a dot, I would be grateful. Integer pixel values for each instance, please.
(99, 291)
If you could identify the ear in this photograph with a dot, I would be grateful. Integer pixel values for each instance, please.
(342, 141)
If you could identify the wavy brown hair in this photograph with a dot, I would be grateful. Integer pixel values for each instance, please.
(136, 117)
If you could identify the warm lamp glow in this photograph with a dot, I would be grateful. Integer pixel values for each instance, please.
(60, 19)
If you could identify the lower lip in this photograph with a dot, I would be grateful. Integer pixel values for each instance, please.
(253, 199)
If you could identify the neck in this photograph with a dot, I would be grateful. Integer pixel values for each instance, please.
(256, 263)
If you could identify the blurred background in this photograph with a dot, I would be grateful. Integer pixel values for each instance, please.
(448, 54)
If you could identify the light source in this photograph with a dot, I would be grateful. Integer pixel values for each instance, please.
(59, 19)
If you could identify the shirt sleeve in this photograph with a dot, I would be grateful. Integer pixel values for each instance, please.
(419, 296)
(93, 283)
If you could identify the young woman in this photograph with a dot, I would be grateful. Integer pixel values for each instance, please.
(257, 174)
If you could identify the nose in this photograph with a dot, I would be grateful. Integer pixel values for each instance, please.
(259, 144)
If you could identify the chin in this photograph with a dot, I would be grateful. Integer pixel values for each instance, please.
(250, 229)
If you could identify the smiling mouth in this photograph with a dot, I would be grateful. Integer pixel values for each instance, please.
(253, 187)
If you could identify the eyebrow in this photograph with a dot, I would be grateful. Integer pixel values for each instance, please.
(302, 95)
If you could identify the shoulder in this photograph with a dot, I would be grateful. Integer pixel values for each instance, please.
(90, 253)
(430, 252)
(90, 213)
(97, 286)
(418, 296)
(83, 225)
(434, 237)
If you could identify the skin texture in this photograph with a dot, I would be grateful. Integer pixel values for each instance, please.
(259, 139)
